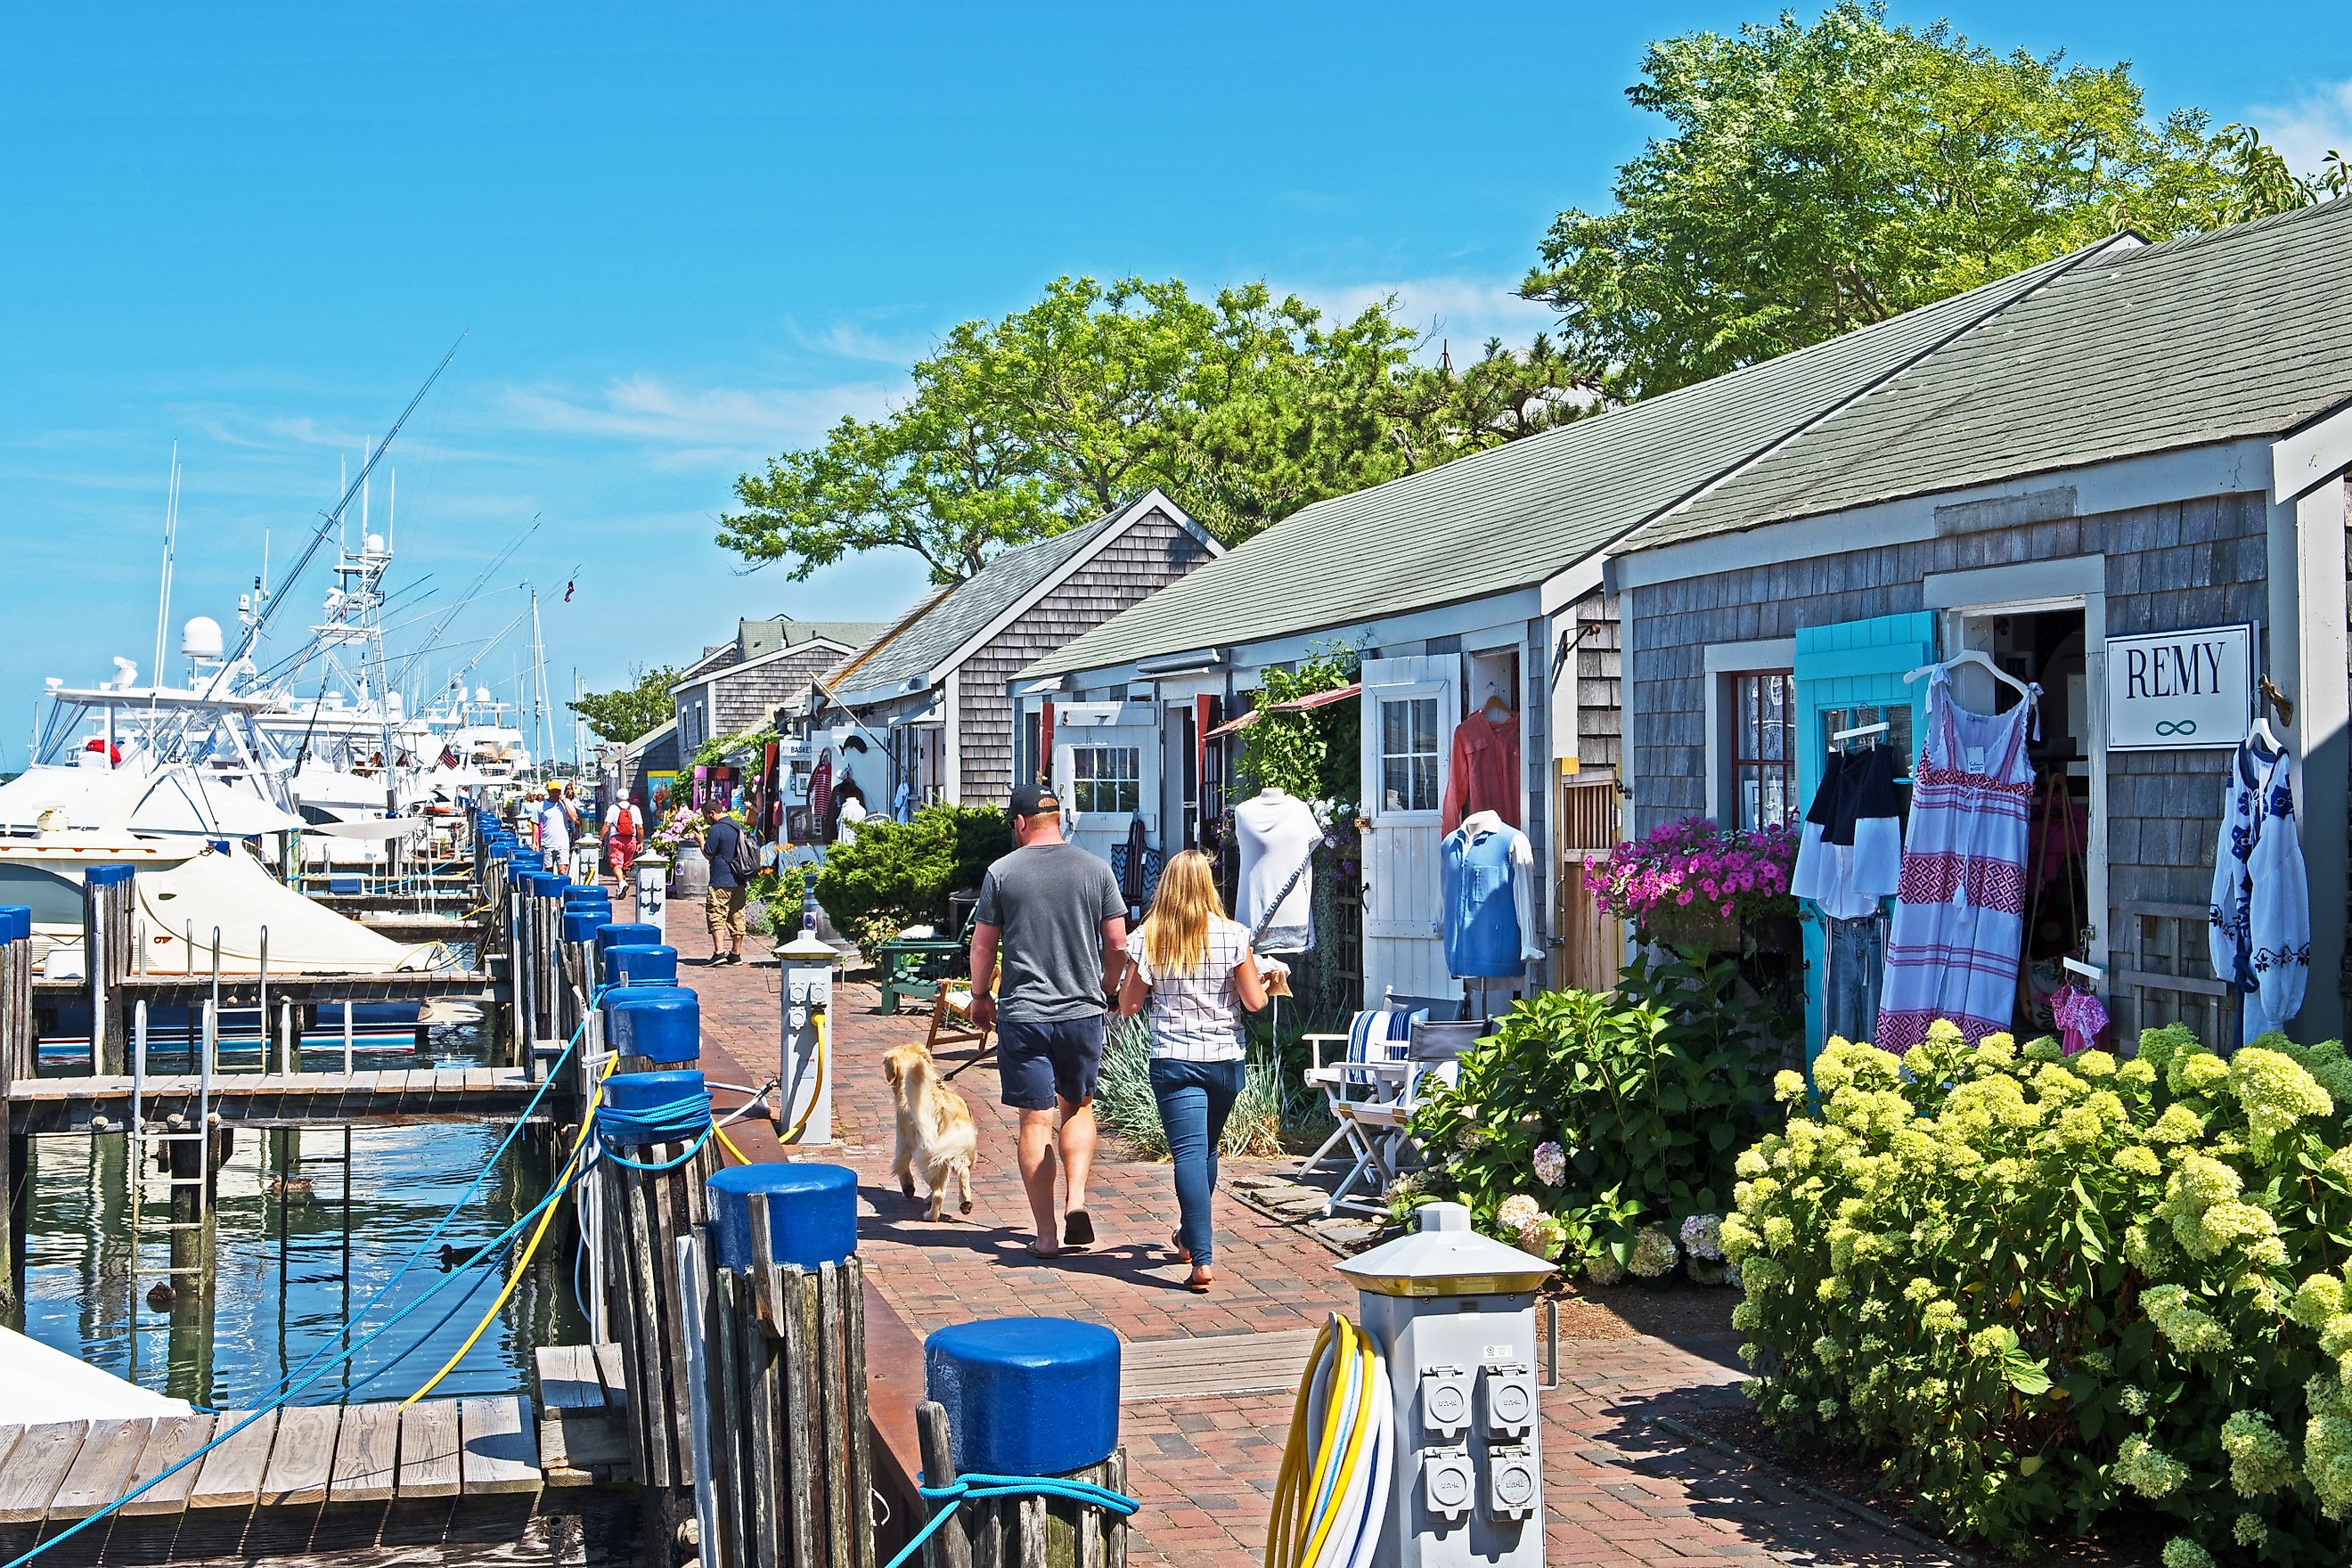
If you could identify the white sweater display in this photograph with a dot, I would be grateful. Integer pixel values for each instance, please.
(1276, 834)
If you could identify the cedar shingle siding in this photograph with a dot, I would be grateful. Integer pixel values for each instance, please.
(2193, 564)
(1152, 553)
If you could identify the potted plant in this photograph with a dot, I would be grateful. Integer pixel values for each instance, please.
(1693, 884)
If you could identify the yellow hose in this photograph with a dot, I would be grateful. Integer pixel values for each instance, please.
(570, 1168)
(817, 1017)
(1301, 1523)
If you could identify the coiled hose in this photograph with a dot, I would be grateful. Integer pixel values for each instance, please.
(1330, 1498)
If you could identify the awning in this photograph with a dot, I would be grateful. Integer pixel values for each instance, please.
(1295, 705)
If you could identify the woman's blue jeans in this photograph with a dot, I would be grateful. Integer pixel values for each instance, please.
(1194, 1100)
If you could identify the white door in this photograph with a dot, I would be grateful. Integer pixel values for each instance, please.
(1410, 707)
(1107, 772)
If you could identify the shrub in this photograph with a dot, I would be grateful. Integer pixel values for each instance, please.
(2041, 1290)
(892, 875)
(1605, 1113)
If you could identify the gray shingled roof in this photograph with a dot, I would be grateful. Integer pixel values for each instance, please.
(929, 638)
(2242, 332)
(757, 637)
(1511, 517)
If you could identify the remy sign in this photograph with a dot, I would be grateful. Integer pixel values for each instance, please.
(2185, 690)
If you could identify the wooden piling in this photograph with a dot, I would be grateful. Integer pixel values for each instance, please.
(106, 948)
(15, 1061)
(642, 1214)
(1020, 1533)
(791, 1467)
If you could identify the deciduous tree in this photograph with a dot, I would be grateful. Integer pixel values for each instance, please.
(628, 711)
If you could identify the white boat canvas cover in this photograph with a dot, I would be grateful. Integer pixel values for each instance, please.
(39, 1384)
(234, 893)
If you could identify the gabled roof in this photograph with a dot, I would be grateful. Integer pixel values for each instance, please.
(936, 633)
(1510, 516)
(2245, 332)
(761, 641)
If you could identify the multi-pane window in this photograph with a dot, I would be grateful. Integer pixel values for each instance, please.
(1106, 778)
(1409, 753)
(1764, 748)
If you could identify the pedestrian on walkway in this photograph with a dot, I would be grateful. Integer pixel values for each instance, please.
(558, 820)
(727, 849)
(1192, 968)
(625, 835)
(1053, 912)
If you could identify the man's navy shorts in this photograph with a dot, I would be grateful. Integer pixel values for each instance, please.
(1040, 1062)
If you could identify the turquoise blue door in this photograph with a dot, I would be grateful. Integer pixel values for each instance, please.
(1849, 675)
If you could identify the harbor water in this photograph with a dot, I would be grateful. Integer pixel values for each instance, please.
(296, 1254)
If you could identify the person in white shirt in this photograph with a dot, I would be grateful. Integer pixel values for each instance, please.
(1192, 969)
(557, 818)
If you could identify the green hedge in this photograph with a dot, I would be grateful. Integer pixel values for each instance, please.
(2048, 1291)
(892, 875)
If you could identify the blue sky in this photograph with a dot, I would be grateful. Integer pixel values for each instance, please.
(681, 238)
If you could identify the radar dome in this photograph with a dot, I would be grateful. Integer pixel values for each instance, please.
(375, 544)
(201, 638)
(481, 694)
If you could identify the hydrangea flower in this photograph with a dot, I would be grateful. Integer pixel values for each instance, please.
(1702, 1236)
(2182, 1552)
(1654, 1254)
(2150, 1472)
(1550, 1163)
(2259, 1460)
(1602, 1268)
(1515, 1213)
(2276, 1092)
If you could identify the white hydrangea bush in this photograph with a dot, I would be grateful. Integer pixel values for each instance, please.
(2045, 1290)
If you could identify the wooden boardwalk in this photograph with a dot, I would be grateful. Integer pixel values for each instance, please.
(300, 1455)
(272, 1100)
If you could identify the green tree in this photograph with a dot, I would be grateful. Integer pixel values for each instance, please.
(1815, 179)
(1243, 407)
(628, 711)
(1312, 751)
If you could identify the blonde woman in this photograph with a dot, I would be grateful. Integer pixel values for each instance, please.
(1192, 969)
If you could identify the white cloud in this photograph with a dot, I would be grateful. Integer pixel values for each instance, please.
(1461, 313)
(697, 425)
(848, 340)
(2306, 131)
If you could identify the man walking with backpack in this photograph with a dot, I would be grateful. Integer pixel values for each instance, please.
(734, 861)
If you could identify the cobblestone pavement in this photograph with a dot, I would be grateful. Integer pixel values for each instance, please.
(1618, 1490)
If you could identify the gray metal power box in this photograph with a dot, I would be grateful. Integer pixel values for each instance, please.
(1453, 1314)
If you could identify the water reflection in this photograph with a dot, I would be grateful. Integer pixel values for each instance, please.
(295, 1252)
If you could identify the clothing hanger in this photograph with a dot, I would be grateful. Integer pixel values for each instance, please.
(1496, 711)
(1977, 657)
(2259, 729)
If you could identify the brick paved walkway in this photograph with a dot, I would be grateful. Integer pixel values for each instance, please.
(1618, 1490)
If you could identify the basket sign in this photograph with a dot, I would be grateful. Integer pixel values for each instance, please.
(2187, 690)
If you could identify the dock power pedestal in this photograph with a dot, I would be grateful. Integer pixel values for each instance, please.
(1452, 1313)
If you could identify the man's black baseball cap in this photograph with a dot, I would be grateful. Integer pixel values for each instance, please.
(1036, 800)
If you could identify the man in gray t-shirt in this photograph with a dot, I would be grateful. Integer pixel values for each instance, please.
(1054, 914)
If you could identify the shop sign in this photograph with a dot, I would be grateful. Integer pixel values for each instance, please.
(2186, 690)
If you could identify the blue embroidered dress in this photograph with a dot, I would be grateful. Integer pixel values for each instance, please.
(2261, 912)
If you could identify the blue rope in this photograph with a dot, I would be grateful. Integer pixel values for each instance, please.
(670, 1121)
(978, 1487)
(435, 1235)
(554, 1193)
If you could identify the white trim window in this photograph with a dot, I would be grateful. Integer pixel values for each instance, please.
(1107, 779)
(1408, 742)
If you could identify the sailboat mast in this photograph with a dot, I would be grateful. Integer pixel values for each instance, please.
(163, 592)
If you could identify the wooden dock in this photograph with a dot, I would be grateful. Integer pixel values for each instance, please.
(449, 1482)
(583, 1433)
(39, 1105)
(303, 990)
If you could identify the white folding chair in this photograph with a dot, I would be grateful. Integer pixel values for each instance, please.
(1368, 1074)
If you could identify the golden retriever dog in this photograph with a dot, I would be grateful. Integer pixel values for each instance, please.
(936, 1137)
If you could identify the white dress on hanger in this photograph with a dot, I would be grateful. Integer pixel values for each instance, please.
(2259, 921)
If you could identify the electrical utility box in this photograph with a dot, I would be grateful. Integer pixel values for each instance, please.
(1453, 1314)
(804, 1064)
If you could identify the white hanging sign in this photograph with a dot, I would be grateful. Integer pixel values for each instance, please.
(2186, 690)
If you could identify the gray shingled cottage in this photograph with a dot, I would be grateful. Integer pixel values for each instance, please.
(925, 702)
(1476, 580)
(738, 685)
(2131, 452)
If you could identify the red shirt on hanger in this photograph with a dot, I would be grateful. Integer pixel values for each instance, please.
(1485, 772)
